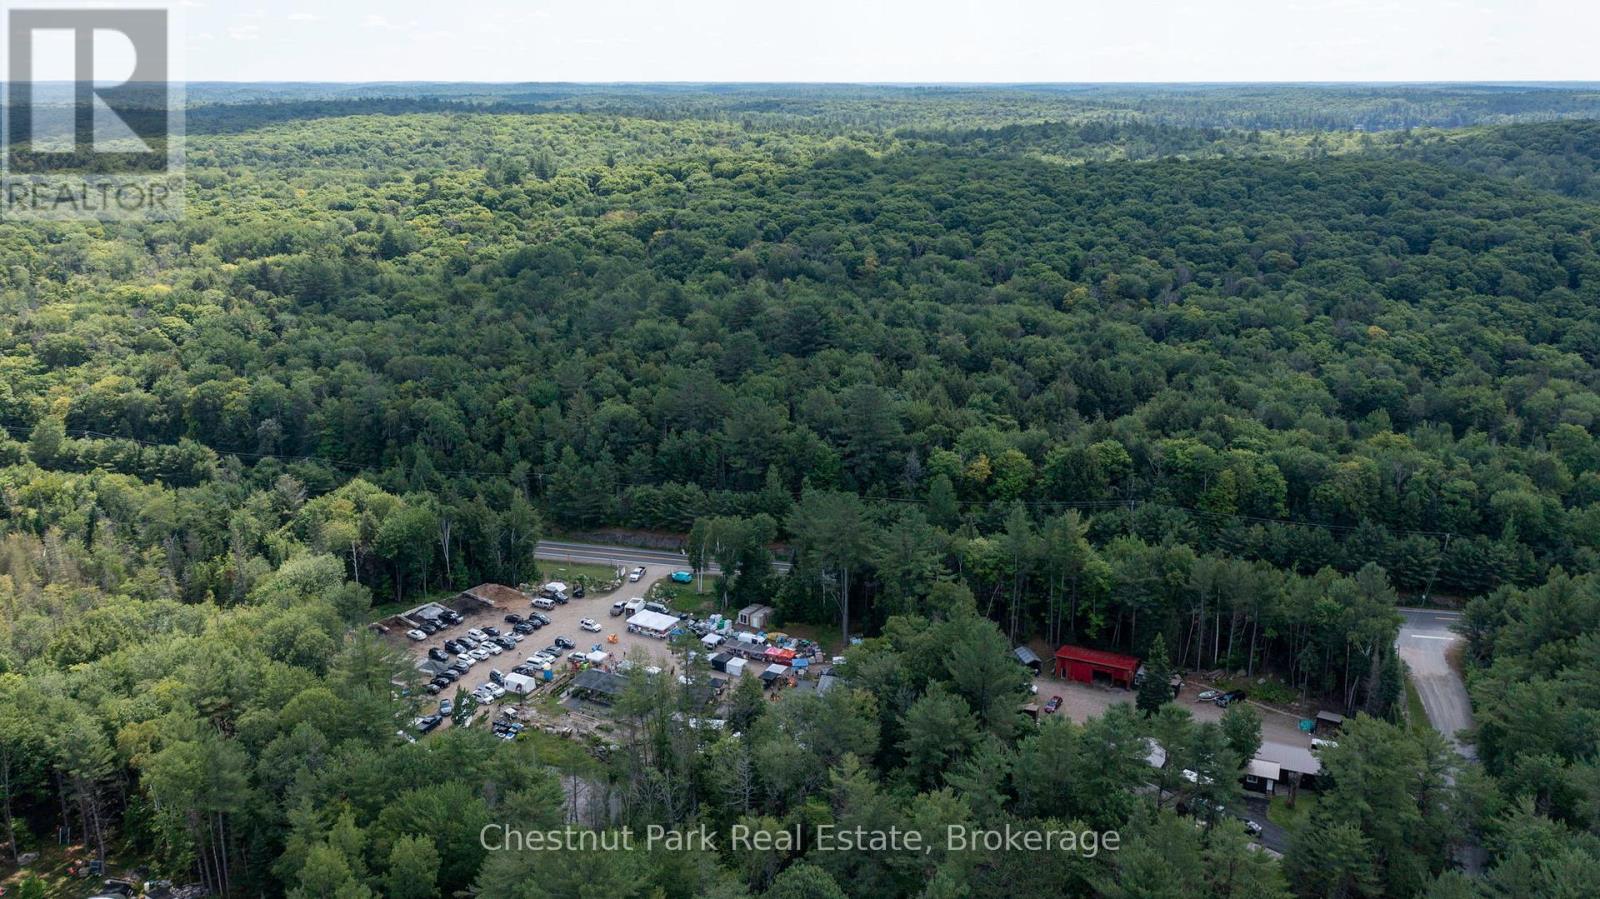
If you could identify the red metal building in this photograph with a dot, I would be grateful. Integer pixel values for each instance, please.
(1081, 664)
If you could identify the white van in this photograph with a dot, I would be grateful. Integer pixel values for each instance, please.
(543, 602)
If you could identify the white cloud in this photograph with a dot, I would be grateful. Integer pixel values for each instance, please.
(304, 17)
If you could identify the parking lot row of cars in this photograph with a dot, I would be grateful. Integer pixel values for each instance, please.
(425, 629)
(479, 645)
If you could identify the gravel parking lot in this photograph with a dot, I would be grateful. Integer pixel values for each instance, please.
(564, 621)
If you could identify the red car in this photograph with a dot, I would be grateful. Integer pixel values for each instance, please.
(1051, 706)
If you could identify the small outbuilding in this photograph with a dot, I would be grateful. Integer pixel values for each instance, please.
(755, 616)
(1328, 721)
(1029, 658)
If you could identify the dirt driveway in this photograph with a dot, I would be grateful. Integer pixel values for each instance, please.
(1082, 701)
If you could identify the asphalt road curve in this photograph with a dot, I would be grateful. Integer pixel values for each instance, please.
(1424, 641)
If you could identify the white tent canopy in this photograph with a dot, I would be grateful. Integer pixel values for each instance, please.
(653, 621)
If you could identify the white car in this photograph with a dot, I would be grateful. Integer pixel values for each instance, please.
(589, 624)
(541, 658)
(480, 653)
(494, 648)
(495, 690)
(477, 634)
(482, 694)
(467, 658)
(1207, 695)
(417, 635)
(636, 574)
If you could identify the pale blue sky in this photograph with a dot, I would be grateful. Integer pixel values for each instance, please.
(892, 40)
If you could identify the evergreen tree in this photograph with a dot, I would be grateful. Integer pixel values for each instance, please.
(1155, 690)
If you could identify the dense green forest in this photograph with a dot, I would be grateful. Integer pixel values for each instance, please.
(1230, 371)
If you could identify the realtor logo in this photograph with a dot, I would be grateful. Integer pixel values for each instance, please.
(92, 115)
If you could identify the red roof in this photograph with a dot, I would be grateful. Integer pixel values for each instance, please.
(1098, 657)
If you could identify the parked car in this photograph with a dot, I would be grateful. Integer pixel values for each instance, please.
(446, 707)
(1252, 828)
(428, 627)
(433, 689)
(526, 627)
(428, 722)
(578, 592)
(1319, 743)
(682, 576)
(1230, 698)
(589, 625)
(658, 608)
(560, 598)
(508, 642)
(564, 643)
(417, 635)
(636, 574)
(492, 631)
(541, 602)
(495, 690)
(513, 618)
(452, 646)
(476, 634)
(495, 677)
(1053, 705)
(541, 618)
(541, 658)
(451, 616)
(617, 609)
(438, 655)
(467, 642)
(524, 669)
(1207, 695)
(494, 649)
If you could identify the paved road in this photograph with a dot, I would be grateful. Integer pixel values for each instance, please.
(629, 556)
(1426, 636)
